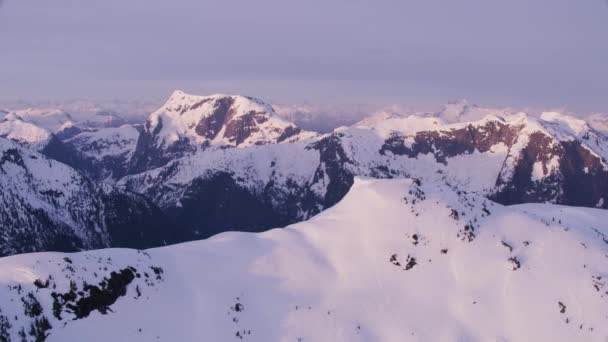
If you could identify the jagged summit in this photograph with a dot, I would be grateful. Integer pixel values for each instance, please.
(188, 123)
(219, 119)
(181, 98)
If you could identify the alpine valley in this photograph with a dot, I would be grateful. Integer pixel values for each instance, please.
(218, 219)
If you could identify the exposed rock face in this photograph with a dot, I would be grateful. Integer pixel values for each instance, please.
(540, 167)
(333, 171)
(454, 142)
(520, 186)
(581, 179)
(210, 126)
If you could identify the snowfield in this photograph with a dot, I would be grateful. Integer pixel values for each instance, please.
(395, 260)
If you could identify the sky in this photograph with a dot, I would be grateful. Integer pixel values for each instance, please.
(417, 53)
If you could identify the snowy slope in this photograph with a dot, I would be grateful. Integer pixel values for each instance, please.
(253, 168)
(46, 205)
(107, 142)
(34, 128)
(52, 120)
(25, 133)
(103, 154)
(246, 189)
(599, 122)
(393, 261)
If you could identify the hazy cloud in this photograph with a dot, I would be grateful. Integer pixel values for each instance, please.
(332, 51)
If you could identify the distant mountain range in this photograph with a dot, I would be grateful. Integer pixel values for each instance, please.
(202, 165)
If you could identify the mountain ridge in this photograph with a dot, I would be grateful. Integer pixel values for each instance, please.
(206, 184)
(353, 272)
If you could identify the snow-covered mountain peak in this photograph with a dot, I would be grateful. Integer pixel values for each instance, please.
(198, 105)
(188, 123)
(24, 133)
(219, 119)
(53, 120)
(35, 127)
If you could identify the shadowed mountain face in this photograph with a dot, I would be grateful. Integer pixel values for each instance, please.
(202, 165)
(46, 205)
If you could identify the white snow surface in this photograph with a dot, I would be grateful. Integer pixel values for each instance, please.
(252, 167)
(52, 120)
(598, 121)
(342, 276)
(34, 127)
(25, 133)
